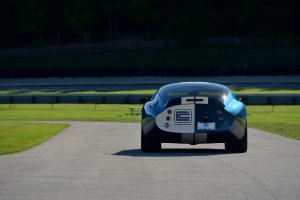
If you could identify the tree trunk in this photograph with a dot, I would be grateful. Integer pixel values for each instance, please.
(59, 23)
(116, 27)
(110, 26)
(147, 31)
(86, 36)
(59, 37)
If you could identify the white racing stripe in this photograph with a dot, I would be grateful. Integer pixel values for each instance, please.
(181, 119)
(200, 138)
(194, 138)
(187, 138)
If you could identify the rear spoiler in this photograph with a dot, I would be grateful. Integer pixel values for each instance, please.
(195, 100)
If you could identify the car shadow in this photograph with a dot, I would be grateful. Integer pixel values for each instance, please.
(173, 153)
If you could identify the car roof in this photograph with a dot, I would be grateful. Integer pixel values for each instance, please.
(181, 89)
(195, 85)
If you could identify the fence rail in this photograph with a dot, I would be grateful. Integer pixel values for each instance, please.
(134, 99)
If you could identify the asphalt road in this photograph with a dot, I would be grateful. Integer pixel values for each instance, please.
(132, 83)
(97, 160)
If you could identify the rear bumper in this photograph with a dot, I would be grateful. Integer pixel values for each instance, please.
(197, 138)
(235, 133)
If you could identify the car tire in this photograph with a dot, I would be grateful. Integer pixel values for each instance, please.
(239, 146)
(150, 144)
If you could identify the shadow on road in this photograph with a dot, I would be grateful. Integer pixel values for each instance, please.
(172, 153)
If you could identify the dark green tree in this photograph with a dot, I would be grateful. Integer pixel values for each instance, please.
(43, 22)
(182, 21)
(8, 21)
(113, 10)
(81, 15)
(145, 11)
(55, 11)
(32, 17)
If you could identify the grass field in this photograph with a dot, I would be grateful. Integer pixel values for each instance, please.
(282, 120)
(73, 112)
(20, 136)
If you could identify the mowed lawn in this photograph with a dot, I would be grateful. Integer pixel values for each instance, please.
(20, 136)
(282, 120)
(71, 112)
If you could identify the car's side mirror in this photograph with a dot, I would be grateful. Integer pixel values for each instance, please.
(143, 100)
(243, 99)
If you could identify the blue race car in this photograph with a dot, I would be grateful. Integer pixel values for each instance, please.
(194, 113)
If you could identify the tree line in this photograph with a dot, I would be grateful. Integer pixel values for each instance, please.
(33, 23)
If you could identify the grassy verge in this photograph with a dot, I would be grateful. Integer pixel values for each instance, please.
(282, 120)
(73, 112)
(266, 91)
(19, 136)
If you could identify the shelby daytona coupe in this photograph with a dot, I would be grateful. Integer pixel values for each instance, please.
(194, 113)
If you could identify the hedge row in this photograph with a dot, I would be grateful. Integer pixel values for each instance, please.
(250, 70)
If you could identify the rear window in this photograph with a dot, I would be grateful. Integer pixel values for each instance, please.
(177, 90)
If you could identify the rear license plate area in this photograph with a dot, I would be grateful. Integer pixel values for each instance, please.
(206, 125)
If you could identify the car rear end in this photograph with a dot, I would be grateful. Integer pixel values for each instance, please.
(195, 120)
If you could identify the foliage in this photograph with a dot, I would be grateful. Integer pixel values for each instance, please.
(81, 15)
(46, 22)
(32, 23)
(145, 12)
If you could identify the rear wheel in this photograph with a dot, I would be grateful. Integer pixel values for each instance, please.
(239, 146)
(150, 144)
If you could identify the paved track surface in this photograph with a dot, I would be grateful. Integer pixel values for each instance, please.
(131, 83)
(97, 160)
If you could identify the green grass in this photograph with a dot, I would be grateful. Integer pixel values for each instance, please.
(282, 120)
(20, 136)
(74, 112)
(147, 91)
(266, 91)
